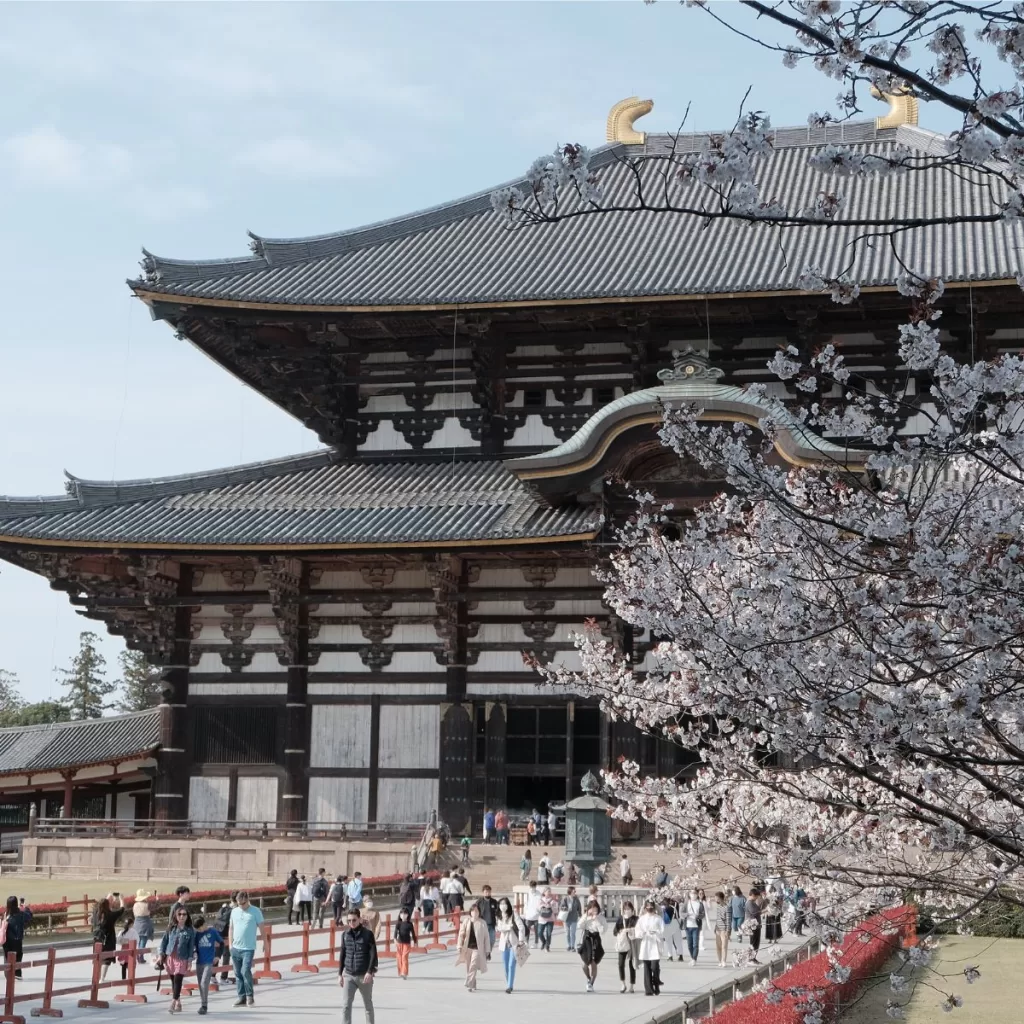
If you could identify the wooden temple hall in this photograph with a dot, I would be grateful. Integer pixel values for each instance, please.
(342, 632)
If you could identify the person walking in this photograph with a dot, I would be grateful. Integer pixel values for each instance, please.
(558, 872)
(371, 919)
(125, 938)
(208, 939)
(290, 886)
(626, 944)
(799, 909)
(625, 871)
(430, 902)
(181, 895)
(660, 876)
(591, 949)
(572, 874)
(526, 865)
(531, 913)
(177, 950)
(489, 826)
(465, 844)
(544, 870)
(354, 892)
(17, 917)
(489, 913)
(721, 921)
(546, 911)
(501, 827)
(405, 939)
(550, 828)
(446, 892)
(673, 937)
(320, 888)
(737, 911)
(773, 921)
(357, 966)
(456, 894)
(108, 912)
(407, 894)
(649, 931)
(143, 921)
(303, 901)
(223, 925)
(569, 913)
(473, 945)
(244, 928)
(510, 930)
(692, 916)
(752, 923)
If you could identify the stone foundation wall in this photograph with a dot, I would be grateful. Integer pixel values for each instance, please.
(215, 859)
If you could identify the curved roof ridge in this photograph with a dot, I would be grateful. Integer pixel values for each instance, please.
(81, 722)
(91, 492)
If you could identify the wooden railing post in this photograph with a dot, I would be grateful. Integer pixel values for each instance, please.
(268, 971)
(305, 967)
(417, 922)
(388, 953)
(94, 1002)
(455, 917)
(130, 995)
(332, 957)
(436, 945)
(9, 1016)
(47, 1010)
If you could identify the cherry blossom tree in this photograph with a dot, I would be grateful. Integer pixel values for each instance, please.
(841, 644)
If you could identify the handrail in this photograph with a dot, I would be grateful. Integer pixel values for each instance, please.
(186, 828)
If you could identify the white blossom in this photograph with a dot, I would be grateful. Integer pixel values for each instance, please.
(919, 345)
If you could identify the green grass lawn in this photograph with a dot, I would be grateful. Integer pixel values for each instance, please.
(997, 998)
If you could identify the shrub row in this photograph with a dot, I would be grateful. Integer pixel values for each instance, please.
(865, 951)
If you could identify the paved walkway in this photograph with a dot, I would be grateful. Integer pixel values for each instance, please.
(550, 985)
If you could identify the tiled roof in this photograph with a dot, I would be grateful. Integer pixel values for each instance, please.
(67, 744)
(462, 252)
(308, 500)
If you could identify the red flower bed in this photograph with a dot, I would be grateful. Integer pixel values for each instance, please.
(865, 951)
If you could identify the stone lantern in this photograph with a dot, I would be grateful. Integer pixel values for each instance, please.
(588, 830)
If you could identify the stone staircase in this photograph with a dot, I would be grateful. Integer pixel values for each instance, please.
(498, 866)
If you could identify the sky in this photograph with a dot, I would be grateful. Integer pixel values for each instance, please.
(179, 127)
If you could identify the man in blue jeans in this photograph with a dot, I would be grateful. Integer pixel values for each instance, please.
(244, 930)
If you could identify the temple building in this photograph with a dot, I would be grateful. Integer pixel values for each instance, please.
(342, 633)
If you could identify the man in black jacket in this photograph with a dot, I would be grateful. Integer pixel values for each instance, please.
(488, 913)
(358, 966)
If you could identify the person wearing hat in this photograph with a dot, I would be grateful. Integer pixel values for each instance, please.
(143, 920)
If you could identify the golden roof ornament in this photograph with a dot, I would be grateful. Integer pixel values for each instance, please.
(689, 364)
(621, 118)
(902, 107)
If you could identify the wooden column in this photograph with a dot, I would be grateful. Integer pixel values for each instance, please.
(170, 788)
(288, 581)
(495, 780)
(570, 716)
(69, 791)
(455, 776)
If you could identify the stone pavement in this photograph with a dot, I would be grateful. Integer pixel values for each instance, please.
(549, 985)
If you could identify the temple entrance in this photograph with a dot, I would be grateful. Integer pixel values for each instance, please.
(526, 792)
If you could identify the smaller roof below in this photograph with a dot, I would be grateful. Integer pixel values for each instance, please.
(310, 500)
(40, 748)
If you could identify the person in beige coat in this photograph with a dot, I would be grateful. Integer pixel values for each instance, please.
(474, 946)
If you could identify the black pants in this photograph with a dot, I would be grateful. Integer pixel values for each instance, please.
(652, 977)
(623, 958)
(547, 835)
(292, 909)
(755, 939)
(176, 980)
(305, 911)
(13, 946)
(339, 912)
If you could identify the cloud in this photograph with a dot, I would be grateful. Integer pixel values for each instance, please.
(296, 156)
(165, 202)
(44, 156)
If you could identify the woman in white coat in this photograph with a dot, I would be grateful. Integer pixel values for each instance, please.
(510, 940)
(650, 932)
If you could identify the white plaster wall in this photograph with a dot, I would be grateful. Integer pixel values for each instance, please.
(406, 801)
(452, 435)
(208, 799)
(263, 661)
(385, 439)
(500, 661)
(446, 399)
(340, 736)
(395, 688)
(256, 800)
(401, 633)
(351, 580)
(338, 800)
(231, 689)
(535, 432)
(409, 736)
(386, 403)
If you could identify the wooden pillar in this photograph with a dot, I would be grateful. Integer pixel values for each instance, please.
(570, 719)
(296, 724)
(374, 767)
(69, 790)
(170, 788)
(495, 783)
(455, 776)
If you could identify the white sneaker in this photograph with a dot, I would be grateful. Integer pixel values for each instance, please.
(693, 963)
(623, 989)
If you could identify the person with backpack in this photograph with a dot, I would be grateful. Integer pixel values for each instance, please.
(16, 918)
(407, 895)
(525, 866)
(544, 870)
(336, 897)
(466, 842)
(143, 921)
(208, 940)
(558, 873)
(319, 890)
(428, 904)
(673, 934)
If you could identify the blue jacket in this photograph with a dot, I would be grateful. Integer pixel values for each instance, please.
(179, 942)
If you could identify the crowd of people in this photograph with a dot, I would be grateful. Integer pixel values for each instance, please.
(642, 934)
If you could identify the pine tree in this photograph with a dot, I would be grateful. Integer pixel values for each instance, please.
(10, 695)
(140, 682)
(44, 713)
(86, 680)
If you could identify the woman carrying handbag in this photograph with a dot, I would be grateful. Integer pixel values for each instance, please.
(474, 945)
(627, 945)
(510, 941)
(591, 948)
